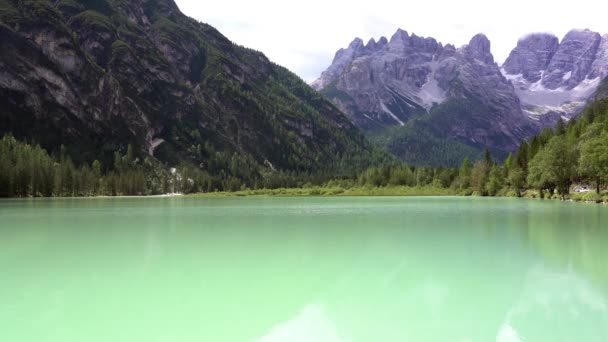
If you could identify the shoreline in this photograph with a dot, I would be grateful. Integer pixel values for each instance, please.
(384, 192)
(142, 196)
(95, 197)
(400, 191)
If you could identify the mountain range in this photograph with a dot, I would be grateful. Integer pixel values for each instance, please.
(432, 103)
(553, 77)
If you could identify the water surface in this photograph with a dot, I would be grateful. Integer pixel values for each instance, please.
(303, 269)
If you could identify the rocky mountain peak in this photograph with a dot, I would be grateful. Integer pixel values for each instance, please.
(532, 55)
(557, 78)
(573, 60)
(400, 35)
(356, 44)
(343, 58)
(480, 48)
(413, 76)
(469, 98)
(399, 41)
(373, 46)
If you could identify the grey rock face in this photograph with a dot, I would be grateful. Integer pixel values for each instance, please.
(479, 48)
(555, 79)
(532, 56)
(343, 58)
(465, 92)
(411, 76)
(572, 62)
(599, 68)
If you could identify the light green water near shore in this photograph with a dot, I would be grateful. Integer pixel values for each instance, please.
(303, 269)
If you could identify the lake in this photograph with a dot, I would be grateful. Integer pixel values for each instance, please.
(303, 269)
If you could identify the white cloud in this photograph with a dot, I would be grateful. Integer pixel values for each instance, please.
(305, 35)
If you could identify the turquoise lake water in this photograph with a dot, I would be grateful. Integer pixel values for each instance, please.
(367, 269)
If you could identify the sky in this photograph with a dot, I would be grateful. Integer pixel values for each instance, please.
(305, 35)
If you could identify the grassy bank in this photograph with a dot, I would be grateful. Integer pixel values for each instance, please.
(338, 191)
(393, 191)
(575, 197)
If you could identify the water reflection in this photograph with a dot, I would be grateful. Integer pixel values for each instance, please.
(573, 237)
(559, 300)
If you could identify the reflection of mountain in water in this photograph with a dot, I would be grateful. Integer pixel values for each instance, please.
(506, 274)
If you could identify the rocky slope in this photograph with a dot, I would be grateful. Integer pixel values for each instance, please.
(459, 97)
(555, 78)
(460, 93)
(98, 75)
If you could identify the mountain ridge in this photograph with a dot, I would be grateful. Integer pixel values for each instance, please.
(414, 78)
(556, 78)
(98, 75)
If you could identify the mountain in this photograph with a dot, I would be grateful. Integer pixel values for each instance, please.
(434, 104)
(96, 76)
(457, 96)
(554, 78)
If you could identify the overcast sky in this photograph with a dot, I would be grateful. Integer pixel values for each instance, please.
(304, 35)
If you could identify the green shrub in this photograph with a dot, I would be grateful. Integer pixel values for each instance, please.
(577, 197)
(591, 197)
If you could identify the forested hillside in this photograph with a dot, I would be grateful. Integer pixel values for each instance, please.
(98, 76)
(547, 166)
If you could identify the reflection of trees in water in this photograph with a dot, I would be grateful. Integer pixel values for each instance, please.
(573, 236)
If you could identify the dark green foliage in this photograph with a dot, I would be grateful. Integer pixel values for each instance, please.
(487, 157)
(416, 143)
(574, 152)
(480, 176)
(496, 180)
(522, 156)
(422, 141)
(29, 171)
(561, 127)
(407, 176)
(94, 19)
(553, 167)
(101, 6)
(594, 158)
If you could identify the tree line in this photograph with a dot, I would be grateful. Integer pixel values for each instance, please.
(575, 152)
(28, 170)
